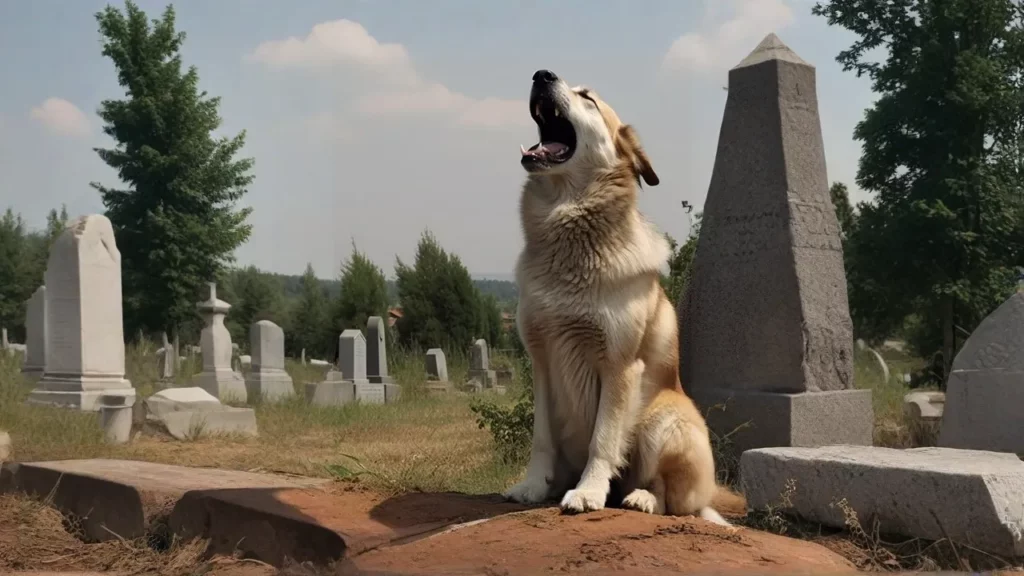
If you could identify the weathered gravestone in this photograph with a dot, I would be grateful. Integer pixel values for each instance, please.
(267, 379)
(84, 333)
(218, 377)
(168, 359)
(480, 373)
(35, 333)
(765, 326)
(437, 371)
(985, 394)
(349, 381)
(377, 358)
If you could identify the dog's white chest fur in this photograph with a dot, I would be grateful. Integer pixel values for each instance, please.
(582, 301)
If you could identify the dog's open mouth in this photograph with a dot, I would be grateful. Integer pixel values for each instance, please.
(557, 135)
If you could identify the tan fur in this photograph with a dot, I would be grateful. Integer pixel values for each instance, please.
(602, 335)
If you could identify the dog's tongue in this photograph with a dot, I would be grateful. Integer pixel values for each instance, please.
(544, 149)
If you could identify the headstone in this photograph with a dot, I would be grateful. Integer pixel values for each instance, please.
(169, 359)
(922, 416)
(218, 377)
(480, 373)
(303, 358)
(377, 358)
(764, 324)
(35, 333)
(267, 379)
(5, 345)
(437, 371)
(348, 382)
(985, 392)
(965, 496)
(84, 330)
(376, 351)
(190, 413)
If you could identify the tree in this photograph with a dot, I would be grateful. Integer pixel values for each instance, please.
(679, 263)
(943, 237)
(439, 301)
(254, 296)
(364, 293)
(23, 259)
(844, 211)
(310, 320)
(175, 220)
(488, 319)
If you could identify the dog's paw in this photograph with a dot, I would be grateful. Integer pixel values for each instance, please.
(529, 491)
(576, 501)
(641, 501)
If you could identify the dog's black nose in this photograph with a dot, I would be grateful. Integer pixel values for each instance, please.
(544, 77)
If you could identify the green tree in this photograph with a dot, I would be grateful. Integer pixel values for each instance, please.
(488, 319)
(844, 211)
(364, 293)
(254, 296)
(439, 301)
(310, 319)
(16, 263)
(176, 222)
(943, 238)
(679, 263)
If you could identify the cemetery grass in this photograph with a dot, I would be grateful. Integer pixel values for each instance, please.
(421, 443)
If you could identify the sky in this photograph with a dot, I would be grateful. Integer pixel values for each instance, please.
(371, 121)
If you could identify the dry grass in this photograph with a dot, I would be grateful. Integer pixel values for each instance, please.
(891, 428)
(420, 443)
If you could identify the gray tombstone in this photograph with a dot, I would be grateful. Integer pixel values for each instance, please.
(480, 373)
(218, 377)
(169, 360)
(985, 393)
(348, 382)
(765, 324)
(267, 379)
(437, 365)
(5, 345)
(352, 356)
(35, 333)
(377, 358)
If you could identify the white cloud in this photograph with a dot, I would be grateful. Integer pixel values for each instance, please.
(61, 117)
(392, 84)
(725, 44)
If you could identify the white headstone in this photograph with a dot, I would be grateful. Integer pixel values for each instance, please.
(352, 356)
(169, 359)
(84, 331)
(480, 373)
(268, 380)
(218, 378)
(35, 327)
(437, 365)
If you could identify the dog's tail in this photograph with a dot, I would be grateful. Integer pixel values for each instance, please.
(728, 501)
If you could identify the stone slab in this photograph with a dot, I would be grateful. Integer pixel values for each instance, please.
(486, 378)
(924, 405)
(774, 419)
(330, 393)
(120, 497)
(189, 425)
(269, 386)
(370, 393)
(971, 497)
(86, 401)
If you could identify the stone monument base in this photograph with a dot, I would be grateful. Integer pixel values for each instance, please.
(392, 392)
(341, 392)
(225, 385)
(32, 371)
(773, 419)
(81, 392)
(486, 378)
(269, 385)
(380, 379)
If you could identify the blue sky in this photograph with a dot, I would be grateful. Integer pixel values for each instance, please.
(373, 120)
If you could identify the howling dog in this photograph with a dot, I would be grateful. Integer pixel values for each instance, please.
(602, 335)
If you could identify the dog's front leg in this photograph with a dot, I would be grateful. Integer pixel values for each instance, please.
(608, 445)
(540, 472)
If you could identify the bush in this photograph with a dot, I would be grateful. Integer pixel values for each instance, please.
(511, 426)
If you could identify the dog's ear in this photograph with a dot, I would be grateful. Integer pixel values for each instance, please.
(629, 148)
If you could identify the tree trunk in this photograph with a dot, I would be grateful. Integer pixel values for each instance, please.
(948, 338)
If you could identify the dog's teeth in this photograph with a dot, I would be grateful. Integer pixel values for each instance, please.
(522, 149)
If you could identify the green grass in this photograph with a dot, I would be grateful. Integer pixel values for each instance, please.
(422, 442)
(891, 428)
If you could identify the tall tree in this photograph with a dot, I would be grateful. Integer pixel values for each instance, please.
(439, 301)
(943, 237)
(364, 293)
(254, 295)
(310, 319)
(840, 195)
(176, 221)
(679, 263)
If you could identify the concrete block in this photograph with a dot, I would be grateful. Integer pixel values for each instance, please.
(974, 497)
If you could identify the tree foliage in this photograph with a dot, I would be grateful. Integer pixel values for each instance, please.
(175, 218)
(943, 237)
(23, 257)
(254, 295)
(310, 319)
(680, 262)
(439, 301)
(364, 293)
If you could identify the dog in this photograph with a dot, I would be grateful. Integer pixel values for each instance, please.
(599, 329)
